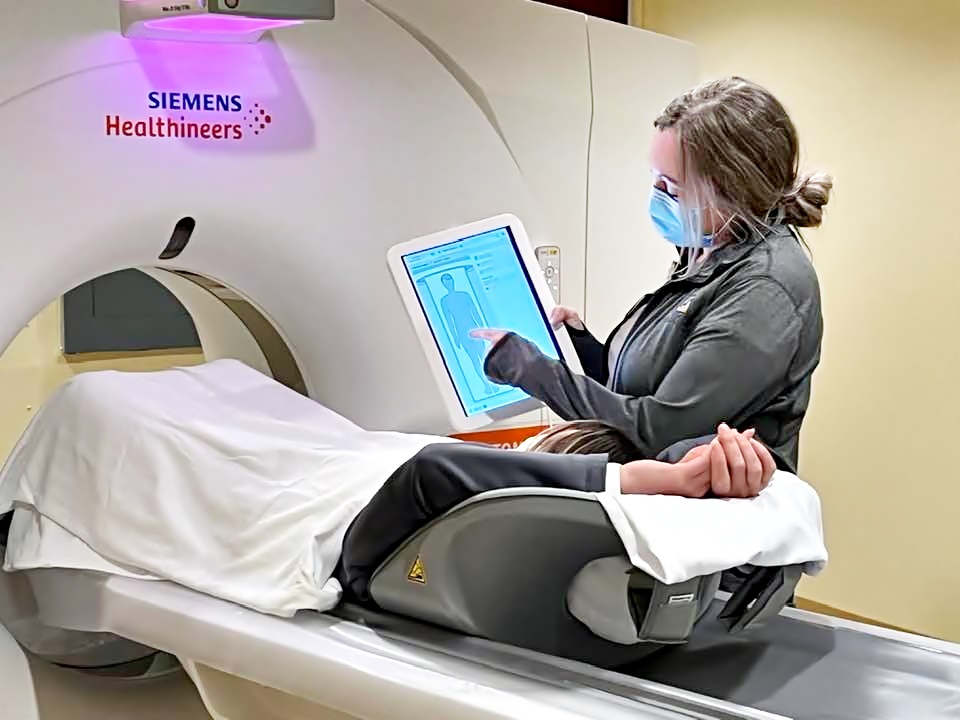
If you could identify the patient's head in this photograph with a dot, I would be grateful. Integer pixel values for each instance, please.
(584, 437)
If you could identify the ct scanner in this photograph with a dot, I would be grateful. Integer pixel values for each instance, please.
(314, 149)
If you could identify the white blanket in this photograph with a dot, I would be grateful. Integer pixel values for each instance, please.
(214, 477)
(675, 539)
(221, 479)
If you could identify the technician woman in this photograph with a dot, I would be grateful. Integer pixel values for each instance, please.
(734, 334)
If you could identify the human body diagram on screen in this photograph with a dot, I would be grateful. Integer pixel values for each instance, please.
(463, 306)
(461, 315)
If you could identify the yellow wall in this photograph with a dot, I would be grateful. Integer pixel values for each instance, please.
(33, 366)
(873, 88)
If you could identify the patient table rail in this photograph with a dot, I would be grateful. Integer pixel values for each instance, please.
(556, 670)
(801, 665)
(372, 665)
(812, 667)
(342, 665)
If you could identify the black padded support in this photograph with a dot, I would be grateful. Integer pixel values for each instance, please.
(501, 568)
(762, 595)
(665, 614)
(5, 522)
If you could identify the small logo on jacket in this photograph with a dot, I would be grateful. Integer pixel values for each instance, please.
(683, 307)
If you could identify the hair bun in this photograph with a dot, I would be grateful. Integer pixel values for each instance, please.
(803, 203)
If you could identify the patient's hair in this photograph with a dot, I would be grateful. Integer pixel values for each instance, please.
(584, 437)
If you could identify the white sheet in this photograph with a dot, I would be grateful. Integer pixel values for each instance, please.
(225, 481)
(675, 539)
(215, 477)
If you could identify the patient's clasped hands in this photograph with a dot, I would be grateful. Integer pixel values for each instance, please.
(733, 465)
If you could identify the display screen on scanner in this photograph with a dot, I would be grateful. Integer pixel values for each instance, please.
(478, 282)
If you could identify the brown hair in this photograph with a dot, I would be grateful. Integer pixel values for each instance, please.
(740, 155)
(585, 437)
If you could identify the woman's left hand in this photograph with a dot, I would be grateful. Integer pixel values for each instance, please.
(491, 336)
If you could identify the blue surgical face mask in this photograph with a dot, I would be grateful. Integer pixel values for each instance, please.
(669, 218)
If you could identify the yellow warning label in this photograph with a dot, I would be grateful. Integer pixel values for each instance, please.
(417, 574)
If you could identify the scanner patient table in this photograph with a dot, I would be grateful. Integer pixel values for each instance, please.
(369, 663)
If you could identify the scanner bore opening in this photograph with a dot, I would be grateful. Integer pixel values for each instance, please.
(283, 366)
(105, 654)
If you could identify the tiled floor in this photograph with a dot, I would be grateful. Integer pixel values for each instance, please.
(66, 695)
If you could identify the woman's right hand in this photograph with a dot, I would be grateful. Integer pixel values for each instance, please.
(733, 465)
(561, 315)
(740, 466)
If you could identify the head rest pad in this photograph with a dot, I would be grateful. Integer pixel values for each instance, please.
(599, 598)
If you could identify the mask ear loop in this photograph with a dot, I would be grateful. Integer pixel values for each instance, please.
(693, 231)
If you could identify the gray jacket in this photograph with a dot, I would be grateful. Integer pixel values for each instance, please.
(735, 342)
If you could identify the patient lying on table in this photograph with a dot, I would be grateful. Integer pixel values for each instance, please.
(224, 481)
(441, 476)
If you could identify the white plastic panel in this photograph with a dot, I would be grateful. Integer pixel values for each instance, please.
(574, 99)
(635, 74)
(372, 142)
(18, 699)
(527, 66)
(374, 139)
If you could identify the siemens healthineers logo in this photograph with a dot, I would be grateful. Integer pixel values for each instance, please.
(206, 116)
